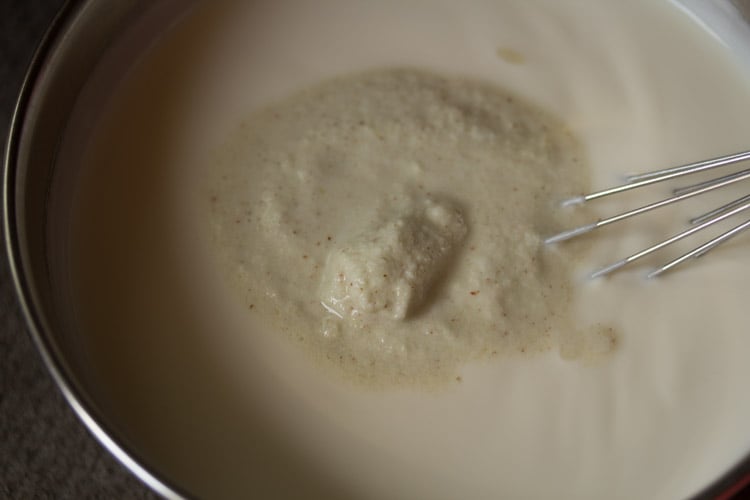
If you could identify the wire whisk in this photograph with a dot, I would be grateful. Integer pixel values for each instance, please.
(697, 224)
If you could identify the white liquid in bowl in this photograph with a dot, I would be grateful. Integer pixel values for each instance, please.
(228, 409)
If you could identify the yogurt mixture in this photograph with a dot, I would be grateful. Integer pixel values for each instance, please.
(392, 222)
(227, 407)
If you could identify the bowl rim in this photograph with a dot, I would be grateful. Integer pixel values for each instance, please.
(25, 289)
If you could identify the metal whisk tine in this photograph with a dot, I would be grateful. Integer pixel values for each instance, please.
(635, 181)
(712, 182)
(721, 209)
(697, 223)
(692, 168)
(677, 237)
(701, 250)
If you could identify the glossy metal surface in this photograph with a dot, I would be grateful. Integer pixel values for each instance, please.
(70, 49)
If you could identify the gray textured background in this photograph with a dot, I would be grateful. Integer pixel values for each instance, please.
(45, 452)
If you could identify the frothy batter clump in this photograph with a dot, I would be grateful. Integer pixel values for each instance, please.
(391, 222)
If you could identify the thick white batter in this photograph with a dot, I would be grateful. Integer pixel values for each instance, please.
(228, 411)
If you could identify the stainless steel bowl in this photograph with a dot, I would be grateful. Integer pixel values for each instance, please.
(71, 49)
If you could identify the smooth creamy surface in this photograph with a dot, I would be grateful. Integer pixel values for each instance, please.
(392, 223)
(228, 408)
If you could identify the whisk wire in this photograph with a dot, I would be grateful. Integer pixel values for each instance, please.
(701, 250)
(565, 235)
(721, 209)
(635, 181)
(677, 237)
(692, 168)
(694, 187)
